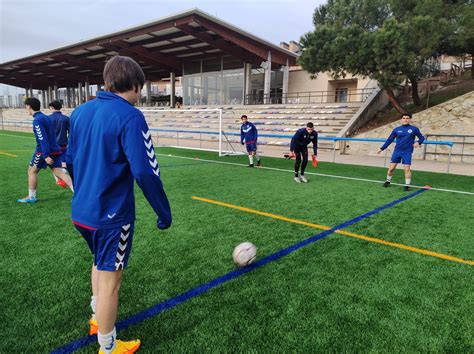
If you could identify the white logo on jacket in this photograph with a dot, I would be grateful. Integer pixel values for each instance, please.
(410, 131)
(38, 132)
(150, 151)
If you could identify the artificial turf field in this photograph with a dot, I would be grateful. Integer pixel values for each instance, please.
(339, 293)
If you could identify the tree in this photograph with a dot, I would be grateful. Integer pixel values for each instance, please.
(386, 40)
(460, 39)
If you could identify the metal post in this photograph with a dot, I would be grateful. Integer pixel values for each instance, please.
(334, 150)
(385, 158)
(177, 139)
(424, 148)
(449, 158)
(462, 148)
(200, 139)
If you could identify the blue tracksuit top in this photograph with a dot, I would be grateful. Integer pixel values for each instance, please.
(61, 125)
(45, 135)
(405, 135)
(302, 138)
(110, 145)
(249, 133)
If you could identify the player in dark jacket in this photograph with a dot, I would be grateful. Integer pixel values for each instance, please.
(299, 146)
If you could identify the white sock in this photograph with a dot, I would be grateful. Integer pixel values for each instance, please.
(251, 159)
(93, 305)
(107, 341)
(32, 193)
(389, 178)
(407, 181)
(257, 156)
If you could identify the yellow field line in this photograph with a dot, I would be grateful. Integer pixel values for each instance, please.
(341, 232)
(5, 153)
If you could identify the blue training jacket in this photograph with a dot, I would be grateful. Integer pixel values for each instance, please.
(249, 133)
(110, 145)
(302, 138)
(61, 125)
(405, 135)
(45, 135)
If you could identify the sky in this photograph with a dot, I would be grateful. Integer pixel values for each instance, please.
(30, 27)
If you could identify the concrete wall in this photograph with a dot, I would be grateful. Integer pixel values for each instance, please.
(452, 117)
(300, 81)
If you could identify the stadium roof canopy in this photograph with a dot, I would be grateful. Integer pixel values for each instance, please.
(161, 47)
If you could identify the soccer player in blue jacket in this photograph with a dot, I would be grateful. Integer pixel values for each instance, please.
(405, 135)
(110, 147)
(61, 125)
(249, 136)
(299, 146)
(47, 152)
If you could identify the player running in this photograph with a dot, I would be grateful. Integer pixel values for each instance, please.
(249, 136)
(61, 125)
(47, 152)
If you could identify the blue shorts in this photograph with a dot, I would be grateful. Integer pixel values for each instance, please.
(401, 156)
(251, 147)
(110, 247)
(38, 161)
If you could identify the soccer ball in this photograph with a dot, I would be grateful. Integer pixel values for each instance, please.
(244, 254)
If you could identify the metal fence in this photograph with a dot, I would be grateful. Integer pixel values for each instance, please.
(310, 97)
(464, 146)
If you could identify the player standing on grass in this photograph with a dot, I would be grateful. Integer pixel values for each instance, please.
(249, 136)
(110, 147)
(47, 152)
(61, 125)
(299, 146)
(405, 135)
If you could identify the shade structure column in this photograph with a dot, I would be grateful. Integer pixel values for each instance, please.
(88, 91)
(268, 76)
(56, 92)
(50, 94)
(286, 80)
(173, 90)
(79, 92)
(247, 82)
(148, 92)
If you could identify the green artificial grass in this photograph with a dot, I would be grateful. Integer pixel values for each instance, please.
(337, 294)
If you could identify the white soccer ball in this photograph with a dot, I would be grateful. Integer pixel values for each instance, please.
(244, 254)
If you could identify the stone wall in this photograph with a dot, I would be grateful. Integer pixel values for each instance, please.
(452, 117)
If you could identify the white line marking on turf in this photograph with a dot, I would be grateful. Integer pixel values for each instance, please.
(18, 136)
(316, 174)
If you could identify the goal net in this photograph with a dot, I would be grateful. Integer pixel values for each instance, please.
(197, 129)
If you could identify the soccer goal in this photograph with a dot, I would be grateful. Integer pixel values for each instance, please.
(198, 129)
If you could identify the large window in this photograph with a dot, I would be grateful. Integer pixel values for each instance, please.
(213, 81)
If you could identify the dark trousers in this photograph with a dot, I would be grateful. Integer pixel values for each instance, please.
(301, 154)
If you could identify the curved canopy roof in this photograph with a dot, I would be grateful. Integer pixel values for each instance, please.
(160, 47)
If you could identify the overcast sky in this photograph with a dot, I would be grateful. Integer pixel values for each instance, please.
(29, 27)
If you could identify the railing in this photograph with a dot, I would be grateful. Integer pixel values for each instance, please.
(458, 139)
(334, 140)
(310, 97)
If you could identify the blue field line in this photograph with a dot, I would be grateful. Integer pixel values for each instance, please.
(174, 301)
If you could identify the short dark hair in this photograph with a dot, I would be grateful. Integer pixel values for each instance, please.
(407, 114)
(310, 125)
(243, 116)
(34, 103)
(123, 74)
(56, 105)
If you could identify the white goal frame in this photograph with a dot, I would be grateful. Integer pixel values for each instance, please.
(221, 133)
